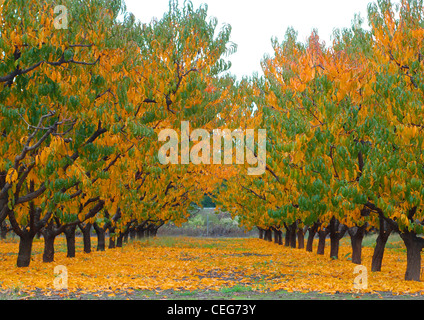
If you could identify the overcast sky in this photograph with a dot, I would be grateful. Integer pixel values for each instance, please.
(255, 22)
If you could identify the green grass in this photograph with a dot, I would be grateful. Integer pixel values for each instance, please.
(236, 288)
(394, 241)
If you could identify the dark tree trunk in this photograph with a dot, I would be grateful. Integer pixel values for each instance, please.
(119, 240)
(70, 241)
(356, 236)
(48, 254)
(25, 248)
(300, 238)
(101, 241)
(268, 235)
(112, 243)
(414, 245)
(293, 227)
(3, 230)
(132, 233)
(49, 234)
(27, 234)
(311, 235)
(112, 237)
(86, 236)
(278, 238)
(140, 232)
(287, 237)
(290, 236)
(126, 234)
(322, 234)
(101, 237)
(154, 231)
(261, 233)
(336, 233)
(383, 235)
(334, 247)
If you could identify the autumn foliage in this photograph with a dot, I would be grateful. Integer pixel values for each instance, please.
(81, 109)
(344, 129)
(181, 264)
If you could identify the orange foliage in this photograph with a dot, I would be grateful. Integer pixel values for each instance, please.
(191, 264)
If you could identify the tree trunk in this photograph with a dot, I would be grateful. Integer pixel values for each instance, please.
(48, 254)
(101, 237)
(311, 235)
(101, 241)
(140, 232)
(126, 234)
(334, 247)
(112, 237)
(132, 233)
(300, 238)
(335, 235)
(3, 230)
(154, 231)
(25, 248)
(322, 234)
(287, 237)
(356, 237)
(124, 237)
(414, 246)
(112, 243)
(293, 227)
(119, 240)
(268, 235)
(70, 241)
(86, 236)
(278, 238)
(3, 233)
(383, 235)
(261, 233)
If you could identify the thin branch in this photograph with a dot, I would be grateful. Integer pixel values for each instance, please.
(332, 161)
(252, 191)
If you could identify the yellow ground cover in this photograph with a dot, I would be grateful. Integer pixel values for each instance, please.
(193, 263)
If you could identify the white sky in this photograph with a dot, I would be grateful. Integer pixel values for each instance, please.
(255, 22)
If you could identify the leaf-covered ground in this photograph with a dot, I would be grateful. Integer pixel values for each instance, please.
(184, 268)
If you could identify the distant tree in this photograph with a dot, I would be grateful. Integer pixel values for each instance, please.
(207, 202)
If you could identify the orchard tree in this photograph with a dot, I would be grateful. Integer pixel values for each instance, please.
(53, 106)
(395, 171)
(179, 78)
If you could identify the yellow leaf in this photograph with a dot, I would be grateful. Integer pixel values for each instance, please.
(12, 176)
